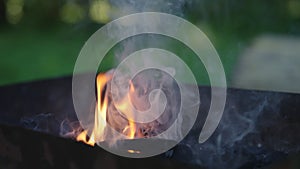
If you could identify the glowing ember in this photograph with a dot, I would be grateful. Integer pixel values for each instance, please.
(133, 151)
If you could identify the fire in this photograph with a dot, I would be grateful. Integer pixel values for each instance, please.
(125, 107)
(83, 137)
(101, 112)
(132, 126)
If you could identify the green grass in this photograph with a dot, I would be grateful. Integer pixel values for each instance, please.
(30, 54)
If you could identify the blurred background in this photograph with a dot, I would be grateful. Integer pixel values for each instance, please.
(258, 41)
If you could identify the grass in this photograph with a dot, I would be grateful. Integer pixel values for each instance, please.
(30, 54)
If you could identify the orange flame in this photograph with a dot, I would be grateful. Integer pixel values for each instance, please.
(100, 114)
(101, 110)
(83, 137)
(125, 107)
(132, 127)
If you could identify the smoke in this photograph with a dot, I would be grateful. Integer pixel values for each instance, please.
(126, 7)
(241, 140)
(146, 97)
(48, 123)
(155, 89)
(44, 122)
(70, 129)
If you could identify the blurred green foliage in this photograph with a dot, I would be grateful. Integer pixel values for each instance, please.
(42, 39)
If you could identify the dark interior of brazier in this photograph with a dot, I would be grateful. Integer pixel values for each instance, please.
(38, 136)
